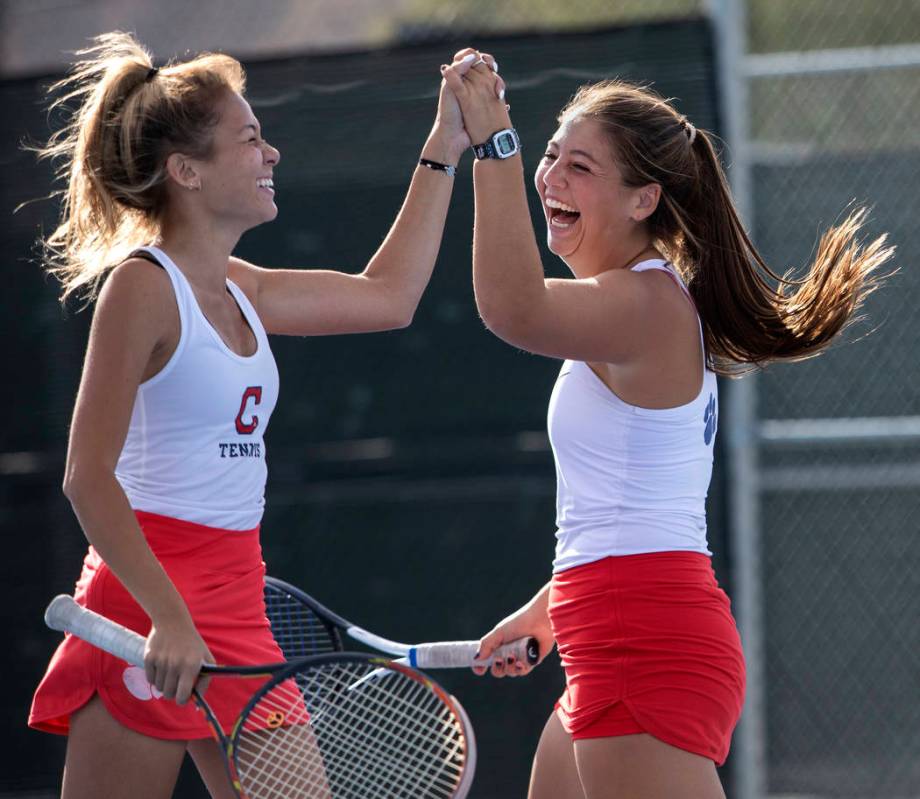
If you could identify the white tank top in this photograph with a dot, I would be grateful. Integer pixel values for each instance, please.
(195, 448)
(629, 480)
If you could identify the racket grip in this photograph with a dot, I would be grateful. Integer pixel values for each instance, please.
(460, 654)
(65, 615)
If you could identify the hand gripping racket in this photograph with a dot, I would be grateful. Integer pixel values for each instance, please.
(322, 727)
(302, 627)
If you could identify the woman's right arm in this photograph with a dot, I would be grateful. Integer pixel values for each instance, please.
(134, 322)
(531, 621)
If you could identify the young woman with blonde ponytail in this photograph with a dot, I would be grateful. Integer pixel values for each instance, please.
(166, 168)
(668, 291)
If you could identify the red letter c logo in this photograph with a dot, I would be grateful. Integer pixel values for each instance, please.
(246, 428)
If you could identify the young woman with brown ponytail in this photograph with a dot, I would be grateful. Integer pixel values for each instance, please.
(166, 169)
(668, 291)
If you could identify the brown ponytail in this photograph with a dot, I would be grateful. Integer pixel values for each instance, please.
(112, 152)
(751, 315)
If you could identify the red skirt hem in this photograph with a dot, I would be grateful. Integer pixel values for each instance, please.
(648, 645)
(220, 575)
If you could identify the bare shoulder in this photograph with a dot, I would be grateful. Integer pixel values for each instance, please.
(654, 291)
(138, 295)
(245, 275)
(137, 277)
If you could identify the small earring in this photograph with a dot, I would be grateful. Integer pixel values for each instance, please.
(194, 187)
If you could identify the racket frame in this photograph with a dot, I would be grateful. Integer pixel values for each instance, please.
(66, 615)
(382, 665)
(405, 653)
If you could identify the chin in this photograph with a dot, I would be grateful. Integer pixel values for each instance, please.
(559, 248)
(267, 216)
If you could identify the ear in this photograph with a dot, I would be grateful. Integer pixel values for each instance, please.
(645, 201)
(182, 171)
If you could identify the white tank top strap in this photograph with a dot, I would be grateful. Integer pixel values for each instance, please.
(661, 265)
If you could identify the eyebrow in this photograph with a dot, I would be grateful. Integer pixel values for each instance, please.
(584, 153)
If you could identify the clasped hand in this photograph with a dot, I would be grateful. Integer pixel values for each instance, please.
(473, 96)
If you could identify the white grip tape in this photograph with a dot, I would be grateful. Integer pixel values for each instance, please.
(459, 654)
(66, 615)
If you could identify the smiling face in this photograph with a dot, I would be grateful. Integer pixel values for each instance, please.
(236, 180)
(592, 218)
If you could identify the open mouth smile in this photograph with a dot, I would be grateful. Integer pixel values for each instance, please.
(560, 214)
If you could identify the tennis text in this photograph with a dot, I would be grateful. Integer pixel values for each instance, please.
(240, 450)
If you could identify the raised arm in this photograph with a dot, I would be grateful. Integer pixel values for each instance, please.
(134, 330)
(385, 295)
(606, 313)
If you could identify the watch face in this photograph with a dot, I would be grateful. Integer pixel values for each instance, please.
(505, 144)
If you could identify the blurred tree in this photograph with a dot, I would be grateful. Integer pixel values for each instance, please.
(422, 16)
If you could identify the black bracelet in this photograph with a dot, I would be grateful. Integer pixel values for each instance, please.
(437, 166)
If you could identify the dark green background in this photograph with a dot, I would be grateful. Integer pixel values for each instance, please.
(411, 487)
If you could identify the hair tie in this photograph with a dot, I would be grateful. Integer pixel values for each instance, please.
(151, 74)
(688, 128)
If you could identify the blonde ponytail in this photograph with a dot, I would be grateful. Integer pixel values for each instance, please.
(112, 152)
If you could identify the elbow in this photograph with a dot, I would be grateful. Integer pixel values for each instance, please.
(509, 327)
(73, 485)
(79, 484)
(399, 314)
(403, 318)
(392, 321)
(394, 308)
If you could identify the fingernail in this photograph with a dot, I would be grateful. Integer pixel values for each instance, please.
(501, 95)
(467, 58)
(443, 67)
(495, 66)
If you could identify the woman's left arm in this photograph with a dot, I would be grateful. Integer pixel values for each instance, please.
(385, 295)
(612, 317)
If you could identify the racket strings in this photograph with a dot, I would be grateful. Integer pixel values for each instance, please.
(277, 754)
(400, 746)
(390, 735)
(338, 757)
(404, 737)
(296, 628)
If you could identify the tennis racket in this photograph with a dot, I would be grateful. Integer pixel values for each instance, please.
(303, 627)
(324, 727)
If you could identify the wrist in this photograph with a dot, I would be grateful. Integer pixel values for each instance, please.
(500, 145)
(171, 614)
(481, 131)
(444, 148)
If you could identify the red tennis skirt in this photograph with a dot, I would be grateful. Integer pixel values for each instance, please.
(649, 645)
(220, 575)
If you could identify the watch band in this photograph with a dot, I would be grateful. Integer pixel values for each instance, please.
(487, 148)
(484, 150)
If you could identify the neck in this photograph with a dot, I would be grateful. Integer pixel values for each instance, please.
(647, 251)
(623, 255)
(201, 248)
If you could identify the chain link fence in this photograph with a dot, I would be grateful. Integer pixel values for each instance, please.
(834, 92)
